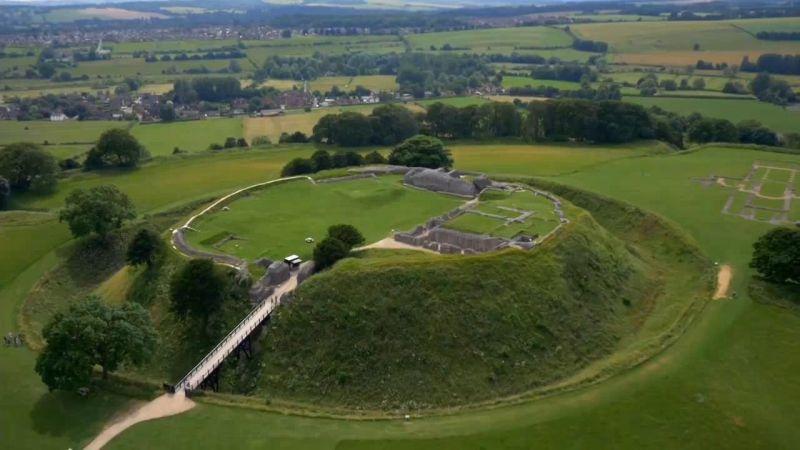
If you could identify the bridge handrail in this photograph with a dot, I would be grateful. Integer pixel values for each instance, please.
(181, 384)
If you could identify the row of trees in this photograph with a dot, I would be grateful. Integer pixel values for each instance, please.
(773, 63)
(385, 125)
(322, 160)
(564, 72)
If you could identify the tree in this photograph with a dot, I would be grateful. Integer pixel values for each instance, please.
(698, 84)
(321, 160)
(752, 132)
(776, 255)
(198, 289)
(5, 193)
(93, 333)
(392, 124)
(421, 151)
(374, 157)
(98, 210)
(713, 130)
(230, 142)
(116, 147)
(146, 247)
(347, 234)
(166, 112)
(297, 166)
(27, 167)
(328, 251)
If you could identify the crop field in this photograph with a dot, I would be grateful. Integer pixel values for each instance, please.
(509, 82)
(275, 221)
(293, 121)
(507, 214)
(124, 67)
(773, 116)
(191, 136)
(771, 24)
(498, 40)
(375, 83)
(258, 51)
(188, 46)
(73, 14)
(67, 132)
(650, 37)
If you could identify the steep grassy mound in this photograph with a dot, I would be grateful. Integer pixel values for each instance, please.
(396, 331)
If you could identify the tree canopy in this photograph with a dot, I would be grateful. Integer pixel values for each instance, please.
(5, 193)
(27, 167)
(146, 247)
(98, 210)
(421, 151)
(776, 255)
(198, 289)
(93, 333)
(116, 147)
(328, 251)
(348, 234)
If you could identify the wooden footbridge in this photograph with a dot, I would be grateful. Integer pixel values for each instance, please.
(206, 367)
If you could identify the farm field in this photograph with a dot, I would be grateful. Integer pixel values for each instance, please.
(258, 51)
(509, 82)
(123, 67)
(497, 40)
(293, 121)
(324, 84)
(681, 387)
(274, 222)
(161, 139)
(55, 132)
(773, 116)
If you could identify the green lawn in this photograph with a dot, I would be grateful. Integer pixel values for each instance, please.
(192, 136)
(274, 222)
(55, 132)
(773, 116)
(496, 204)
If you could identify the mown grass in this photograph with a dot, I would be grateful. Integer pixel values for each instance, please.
(274, 222)
(496, 40)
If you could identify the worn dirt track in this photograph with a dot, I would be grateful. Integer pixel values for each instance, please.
(724, 277)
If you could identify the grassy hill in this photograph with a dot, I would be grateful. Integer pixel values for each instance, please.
(401, 331)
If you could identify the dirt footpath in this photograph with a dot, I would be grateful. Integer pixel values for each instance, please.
(166, 405)
(723, 282)
(390, 243)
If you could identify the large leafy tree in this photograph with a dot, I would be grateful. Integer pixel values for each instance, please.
(776, 255)
(116, 147)
(347, 234)
(146, 247)
(27, 167)
(198, 289)
(98, 210)
(93, 333)
(392, 124)
(421, 151)
(328, 251)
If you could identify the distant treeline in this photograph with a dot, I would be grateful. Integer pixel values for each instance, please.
(779, 35)
(773, 63)
(416, 73)
(554, 120)
(605, 91)
(564, 72)
(590, 46)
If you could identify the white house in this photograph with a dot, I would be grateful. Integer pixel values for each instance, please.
(58, 117)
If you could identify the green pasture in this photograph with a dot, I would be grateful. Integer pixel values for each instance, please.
(191, 136)
(274, 222)
(495, 40)
(705, 391)
(175, 181)
(188, 46)
(770, 24)
(458, 102)
(509, 82)
(728, 383)
(666, 36)
(258, 51)
(125, 67)
(67, 132)
(773, 116)
(538, 160)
